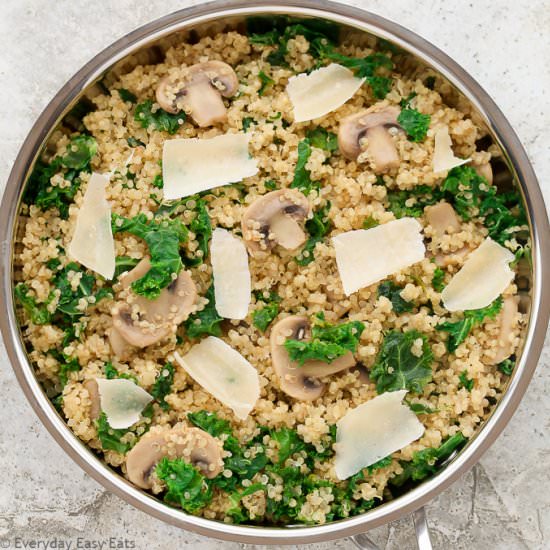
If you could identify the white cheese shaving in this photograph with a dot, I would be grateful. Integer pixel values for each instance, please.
(444, 158)
(231, 274)
(372, 431)
(483, 278)
(223, 372)
(193, 165)
(321, 91)
(366, 256)
(122, 401)
(92, 244)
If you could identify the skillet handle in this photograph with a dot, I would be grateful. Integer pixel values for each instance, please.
(363, 542)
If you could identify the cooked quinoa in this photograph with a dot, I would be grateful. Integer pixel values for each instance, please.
(278, 464)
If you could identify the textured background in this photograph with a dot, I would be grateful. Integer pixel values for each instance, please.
(503, 503)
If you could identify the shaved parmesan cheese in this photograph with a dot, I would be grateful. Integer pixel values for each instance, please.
(122, 401)
(92, 244)
(366, 256)
(232, 284)
(483, 278)
(190, 166)
(373, 431)
(321, 91)
(444, 158)
(224, 373)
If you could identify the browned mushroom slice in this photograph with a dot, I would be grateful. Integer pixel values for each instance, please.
(121, 348)
(301, 382)
(90, 386)
(442, 218)
(508, 318)
(369, 130)
(276, 218)
(145, 322)
(192, 444)
(484, 170)
(198, 91)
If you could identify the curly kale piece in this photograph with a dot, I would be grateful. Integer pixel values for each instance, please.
(163, 385)
(413, 121)
(163, 239)
(159, 119)
(318, 227)
(392, 292)
(426, 463)
(302, 177)
(206, 321)
(262, 317)
(323, 139)
(41, 192)
(327, 343)
(185, 485)
(459, 330)
(398, 368)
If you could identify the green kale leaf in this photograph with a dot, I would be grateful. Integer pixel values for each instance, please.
(157, 120)
(266, 81)
(459, 330)
(472, 197)
(506, 367)
(413, 121)
(163, 385)
(323, 139)
(392, 292)
(109, 437)
(126, 95)
(201, 226)
(261, 318)
(206, 321)
(123, 264)
(38, 313)
(465, 382)
(426, 463)
(185, 485)
(438, 279)
(302, 177)
(163, 239)
(317, 227)
(412, 202)
(398, 368)
(328, 342)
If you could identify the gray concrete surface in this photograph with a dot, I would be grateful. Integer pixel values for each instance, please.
(504, 503)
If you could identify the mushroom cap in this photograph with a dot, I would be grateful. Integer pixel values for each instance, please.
(121, 348)
(372, 125)
(485, 170)
(275, 218)
(155, 317)
(197, 90)
(192, 444)
(508, 319)
(442, 217)
(90, 386)
(301, 382)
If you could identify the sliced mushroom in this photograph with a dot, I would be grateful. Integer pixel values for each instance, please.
(192, 444)
(442, 218)
(144, 322)
(121, 348)
(276, 218)
(369, 130)
(90, 386)
(198, 91)
(508, 319)
(301, 382)
(484, 170)
(362, 373)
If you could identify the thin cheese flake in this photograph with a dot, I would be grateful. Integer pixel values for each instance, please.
(122, 401)
(223, 372)
(483, 278)
(366, 256)
(443, 157)
(372, 431)
(321, 91)
(190, 166)
(232, 285)
(92, 244)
